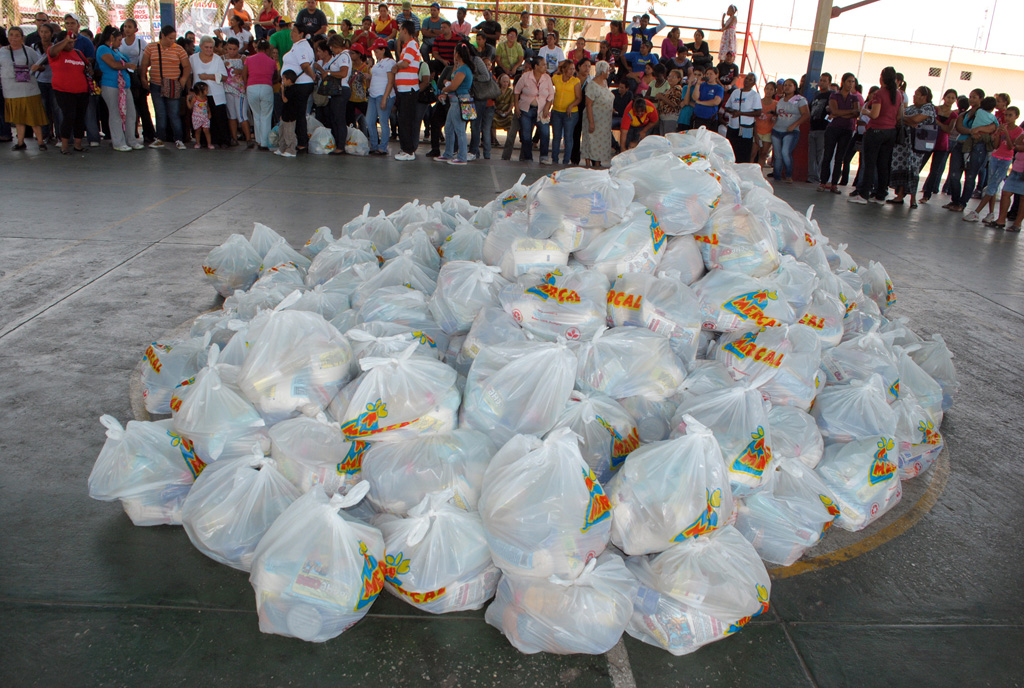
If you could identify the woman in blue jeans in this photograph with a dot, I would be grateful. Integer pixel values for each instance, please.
(534, 97)
(565, 110)
(946, 116)
(455, 127)
(380, 98)
(791, 113)
(970, 152)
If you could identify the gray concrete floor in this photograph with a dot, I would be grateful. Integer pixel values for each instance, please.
(101, 254)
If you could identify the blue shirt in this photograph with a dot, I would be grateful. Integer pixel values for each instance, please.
(708, 92)
(637, 62)
(85, 46)
(981, 119)
(467, 82)
(685, 114)
(108, 75)
(640, 35)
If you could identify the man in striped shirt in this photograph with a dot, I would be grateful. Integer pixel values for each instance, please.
(444, 45)
(407, 82)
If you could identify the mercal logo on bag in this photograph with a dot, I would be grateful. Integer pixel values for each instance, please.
(754, 457)
(208, 270)
(353, 461)
(424, 339)
(928, 433)
(850, 305)
(188, 453)
(366, 423)
(706, 522)
(809, 240)
(890, 293)
(693, 158)
(599, 507)
(620, 446)
(658, 238)
(882, 469)
(547, 290)
(510, 199)
(372, 576)
(397, 565)
(175, 399)
(151, 357)
(746, 347)
(815, 321)
(833, 511)
(762, 597)
(620, 299)
(894, 389)
(710, 239)
(750, 306)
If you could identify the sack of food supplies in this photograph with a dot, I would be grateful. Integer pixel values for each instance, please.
(606, 432)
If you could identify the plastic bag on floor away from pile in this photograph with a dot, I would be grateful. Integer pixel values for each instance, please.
(738, 416)
(734, 302)
(321, 141)
(670, 491)
(737, 240)
(920, 442)
(317, 570)
(785, 358)
(437, 557)
(146, 465)
(936, 359)
(215, 416)
(682, 260)
(490, 326)
(855, 411)
(312, 451)
(232, 505)
(165, 364)
(635, 244)
(585, 614)
(463, 289)
(789, 516)
(661, 304)
(518, 387)
(628, 361)
(233, 265)
(795, 435)
(682, 197)
(591, 199)
(605, 431)
(543, 509)
(357, 143)
(317, 242)
(568, 302)
(401, 474)
(864, 477)
(878, 286)
(272, 137)
(698, 591)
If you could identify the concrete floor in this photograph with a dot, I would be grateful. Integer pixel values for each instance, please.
(101, 254)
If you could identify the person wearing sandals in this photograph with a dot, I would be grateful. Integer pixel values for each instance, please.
(23, 101)
(999, 164)
(906, 160)
(71, 88)
(115, 87)
(970, 152)
(1013, 186)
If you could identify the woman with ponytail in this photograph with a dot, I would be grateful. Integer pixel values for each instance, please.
(883, 112)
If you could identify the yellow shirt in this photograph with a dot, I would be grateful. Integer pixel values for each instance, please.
(565, 93)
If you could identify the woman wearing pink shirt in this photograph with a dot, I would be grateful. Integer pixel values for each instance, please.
(883, 111)
(999, 163)
(1013, 186)
(535, 94)
(258, 77)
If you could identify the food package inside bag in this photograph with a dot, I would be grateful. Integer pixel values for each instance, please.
(860, 358)
(681, 196)
(737, 240)
(878, 286)
(698, 592)
(317, 570)
(401, 397)
(795, 435)
(795, 282)
(418, 246)
(317, 242)
(165, 364)
(437, 558)
(702, 377)
(543, 509)
(628, 361)
(864, 477)
(247, 304)
(465, 243)
(661, 304)
(312, 451)
(231, 506)
(397, 304)
(682, 260)
(606, 432)
(586, 198)
(789, 516)
(518, 387)
(339, 258)
(283, 254)
(327, 303)
(490, 326)
(463, 289)
(233, 265)
(854, 411)
(668, 492)
(785, 358)
(567, 302)
(917, 384)
(585, 614)
(824, 314)
(635, 244)
(526, 255)
(503, 232)
(652, 417)
(919, 441)
(734, 302)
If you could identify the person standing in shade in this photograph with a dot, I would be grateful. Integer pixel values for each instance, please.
(407, 81)
(23, 102)
(300, 60)
(883, 110)
(453, 91)
(763, 126)
(970, 152)
(709, 96)
(132, 47)
(380, 98)
(71, 88)
(208, 67)
(338, 70)
(945, 115)
(536, 94)
(115, 87)
(596, 145)
(281, 41)
(907, 160)
(258, 76)
(744, 107)
(819, 122)
(294, 109)
(564, 110)
(311, 22)
(84, 45)
(790, 112)
(165, 70)
(844, 106)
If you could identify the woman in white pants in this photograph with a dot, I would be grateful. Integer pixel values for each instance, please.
(115, 87)
(258, 77)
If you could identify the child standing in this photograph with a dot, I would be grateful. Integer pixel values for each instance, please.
(293, 109)
(197, 102)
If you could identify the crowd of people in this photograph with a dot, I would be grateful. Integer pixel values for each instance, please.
(399, 76)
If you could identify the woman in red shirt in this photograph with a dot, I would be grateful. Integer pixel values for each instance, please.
(617, 41)
(883, 110)
(70, 88)
(267, 20)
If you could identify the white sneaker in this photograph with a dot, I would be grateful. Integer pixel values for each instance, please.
(94, 144)
(970, 216)
(123, 149)
(179, 145)
(546, 160)
(287, 155)
(277, 152)
(874, 200)
(470, 157)
(859, 200)
(991, 217)
(137, 146)
(157, 144)
(403, 157)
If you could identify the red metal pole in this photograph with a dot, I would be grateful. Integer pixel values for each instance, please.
(625, 8)
(746, 39)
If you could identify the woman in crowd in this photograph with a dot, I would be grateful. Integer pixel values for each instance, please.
(237, 30)
(299, 59)
(728, 44)
(115, 87)
(618, 44)
(883, 111)
(907, 161)
(44, 77)
(71, 89)
(381, 98)
(1013, 188)
(535, 93)
(580, 52)
(336, 71)
(999, 162)
(266, 22)
(708, 98)
(844, 106)
(669, 100)
(945, 115)
(565, 109)
(970, 152)
(23, 102)
(597, 131)
(604, 53)
(688, 90)
(455, 91)
(762, 147)
(359, 86)
(132, 47)
(347, 31)
(790, 112)
(258, 76)
(672, 45)
(700, 51)
(209, 68)
(504, 106)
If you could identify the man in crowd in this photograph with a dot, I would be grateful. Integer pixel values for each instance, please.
(281, 39)
(743, 107)
(645, 32)
(430, 27)
(407, 82)
(727, 69)
(444, 45)
(32, 40)
(460, 26)
(489, 28)
(816, 137)
(311, 20)
(638, 120)
(406, 15)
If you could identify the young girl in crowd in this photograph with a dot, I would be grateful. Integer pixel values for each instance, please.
(199, 104)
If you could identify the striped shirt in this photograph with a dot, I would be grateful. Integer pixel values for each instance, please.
(408, 78)
(444, 48)
(165, 63)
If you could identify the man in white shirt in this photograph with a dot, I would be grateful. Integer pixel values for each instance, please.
(743, 106)
(551, 54)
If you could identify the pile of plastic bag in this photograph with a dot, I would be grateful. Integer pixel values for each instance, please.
(603, 401)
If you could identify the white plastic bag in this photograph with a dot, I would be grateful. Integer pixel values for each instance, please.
(317, 242)
(357, 143)
(917, 384)
(463, 289)
(585, 614)
(670, 491)
(165, 364)
(628, 361)
(682, 260)
(490, 326)
(339, 258)
(321, 141)
(283, 254)
(401, 474)
(936, 359)
(317, 570)
(518, 387)
(920, 442)
(581, 197)
(605, 431)
(402, 271)
(698, 591)
(437, 557)
(566, 303)
(795, 435)
(635, 244)
(824, 314)
(736, 239)
(878, 286)
(327, 303)
(861, 357)
(526, 255)
(263, 238)
(661, 304)
(864, 477)
(233, 265)
(232, 505)
(785, 359)
(855, 411)
(734, 302)
(543, 509)
(419, 247)
(465, 243)
(312, 451)
(681, 196)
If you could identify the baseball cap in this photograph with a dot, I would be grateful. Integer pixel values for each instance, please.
(407, 5)
(434, 4)
(380, 44)
(359, 48)
(284, 20)
(69, 15)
